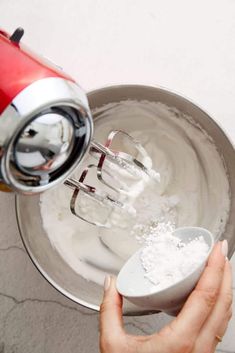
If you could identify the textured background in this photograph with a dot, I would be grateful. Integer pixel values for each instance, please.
(183, 45)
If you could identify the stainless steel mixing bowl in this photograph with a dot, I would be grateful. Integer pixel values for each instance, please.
(39, 248)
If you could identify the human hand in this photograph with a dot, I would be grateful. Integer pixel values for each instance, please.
(198, 327)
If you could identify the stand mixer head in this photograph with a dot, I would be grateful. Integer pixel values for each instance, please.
(46, 129)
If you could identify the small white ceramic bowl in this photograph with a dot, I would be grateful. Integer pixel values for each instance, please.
(135, 287)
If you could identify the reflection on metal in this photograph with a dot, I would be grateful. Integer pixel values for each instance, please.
(45, 145)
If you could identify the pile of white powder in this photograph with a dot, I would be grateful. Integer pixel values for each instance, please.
(166, 259)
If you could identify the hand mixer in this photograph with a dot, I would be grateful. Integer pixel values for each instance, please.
(46, 129)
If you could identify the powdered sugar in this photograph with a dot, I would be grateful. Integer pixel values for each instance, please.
(166, 259)
(150, 233)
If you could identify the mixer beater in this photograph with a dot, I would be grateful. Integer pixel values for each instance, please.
(116, 166)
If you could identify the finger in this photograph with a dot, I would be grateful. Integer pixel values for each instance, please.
(202, 300)
(111, 323)
(218, 320)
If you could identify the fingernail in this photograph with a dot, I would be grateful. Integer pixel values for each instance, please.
(107, 282)
(224, 248)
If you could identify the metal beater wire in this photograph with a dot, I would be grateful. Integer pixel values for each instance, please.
(122, 160)
(90, 191)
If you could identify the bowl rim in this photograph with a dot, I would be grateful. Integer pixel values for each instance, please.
(168, 91)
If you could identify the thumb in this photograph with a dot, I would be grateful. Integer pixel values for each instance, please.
(111, 322)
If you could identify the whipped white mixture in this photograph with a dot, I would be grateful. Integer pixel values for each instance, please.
(193, 190)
